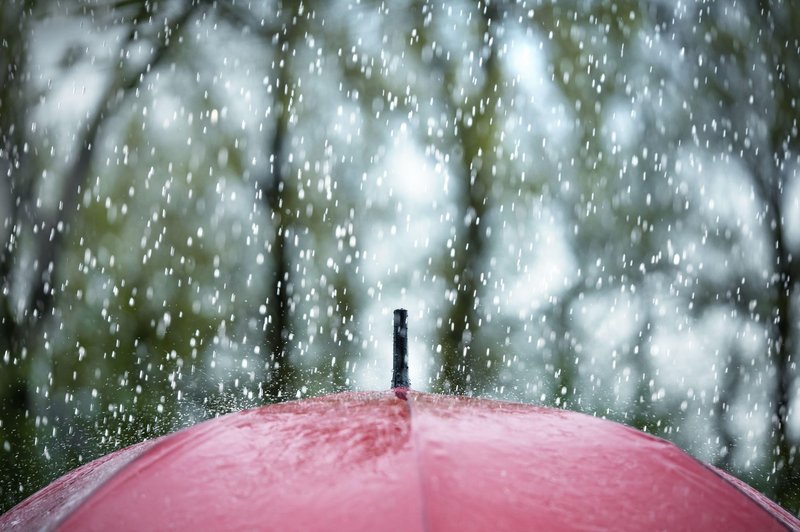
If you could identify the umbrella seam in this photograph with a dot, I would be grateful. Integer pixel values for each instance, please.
(417, 459)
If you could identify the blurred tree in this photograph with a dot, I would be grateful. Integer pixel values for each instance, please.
(17, 167)
(29, 294)
(611, 203)
(276, 192)
(477, 121)
(473, 113)
(745, 66)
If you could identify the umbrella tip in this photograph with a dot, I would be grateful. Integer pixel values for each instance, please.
(400, 361)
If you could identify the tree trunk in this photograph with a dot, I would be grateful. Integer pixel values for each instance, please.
(282, 379)
(787, 481)
(464, 366)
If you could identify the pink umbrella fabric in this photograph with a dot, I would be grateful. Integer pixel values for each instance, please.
(399, 460)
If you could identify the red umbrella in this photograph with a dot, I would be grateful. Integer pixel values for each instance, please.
(400, 460)
(371, 461)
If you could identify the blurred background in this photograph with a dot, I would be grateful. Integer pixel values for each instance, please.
(213, 205)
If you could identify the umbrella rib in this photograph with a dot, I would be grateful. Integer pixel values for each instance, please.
(417, 450)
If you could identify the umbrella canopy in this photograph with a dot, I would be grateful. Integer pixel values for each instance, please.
(400, 460)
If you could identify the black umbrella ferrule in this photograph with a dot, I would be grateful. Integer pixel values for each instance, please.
(400, 365)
